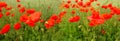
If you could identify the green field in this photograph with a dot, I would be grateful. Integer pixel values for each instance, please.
(59, 20)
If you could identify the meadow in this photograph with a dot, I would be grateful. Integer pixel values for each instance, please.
(59, 20)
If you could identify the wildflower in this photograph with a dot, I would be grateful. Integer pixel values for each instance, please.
(5, 29)
(115, 10)
(8, 8)
(95, 15)
(105, 7)
(73, 5)
(80, 3)
(19, 5)
(95, 22)
(13, 15)
(110, 5)
(1, 15)
(21, 10)
(50, 23)
(95, 19)
(24, 18)
(54, 17)
(30, 23)
(76, 1)
(84, 10)
(106, 16)
(88, 4)
(0, 9)
(62, 14)
(7, 13)
(58, 20)
(17, 26)
(68, 1)
(91, 23)
(18, 0)
(3, 4)
(66, 6)
(91, 0)
(92, 9)
(30, 11)
(73, 12)
(35, 16)
(74, 19)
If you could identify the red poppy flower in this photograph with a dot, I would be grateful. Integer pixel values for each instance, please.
(19, 5)
(8, 8)
(7, 13)
(80, 3)
(69, 1)
(99, 21)
(3, 4)
(24, 18)
(74, 19)
(95, 15)
(13, 15)
(73, 5)
(62, 14)
(112, 13)
(58, 20)
(110, 5)
(84, 10)
(76, 1)
(115, 10)
(18, 0)
(54, 17)
(95, 22)
(49, 23)
(35, 17)
(1, 15)
(73, 12)
(17, 26)
(105, 7)
(5, 29)
(92, 23)
(106, 16)
(91, 0)
(21, 10)
(95, 19)
(88, 4)
(91, 8)
(67, 6)
(0, 9)
(30, 11)
(30, 23)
